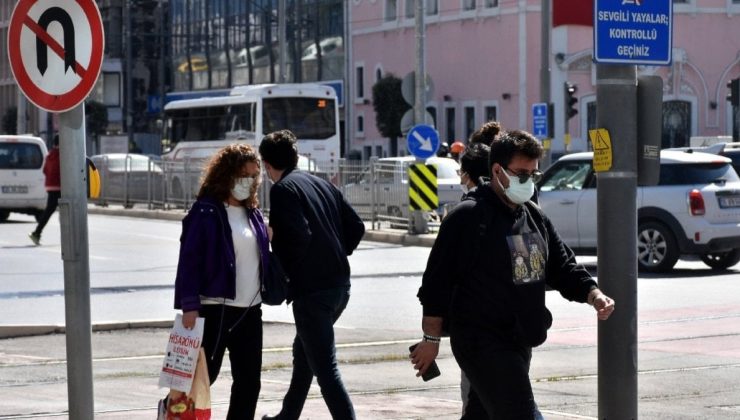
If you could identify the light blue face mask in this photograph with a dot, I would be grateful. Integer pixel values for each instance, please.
(242, 188)
(517, 192)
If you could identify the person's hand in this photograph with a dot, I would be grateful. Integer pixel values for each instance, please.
(188, 319)
(423, 356)
(603, 304)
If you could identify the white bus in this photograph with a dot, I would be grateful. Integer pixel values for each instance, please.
(196, 128)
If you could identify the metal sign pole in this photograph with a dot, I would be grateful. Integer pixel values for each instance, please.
(616, 200)
(417, 221)
(73, 219)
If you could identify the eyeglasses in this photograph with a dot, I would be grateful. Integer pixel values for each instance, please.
(536, 175)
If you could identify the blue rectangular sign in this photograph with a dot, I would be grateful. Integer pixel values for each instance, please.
(633, 31)
(539, 120)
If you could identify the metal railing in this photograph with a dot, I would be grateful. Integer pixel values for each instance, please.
(378, 191)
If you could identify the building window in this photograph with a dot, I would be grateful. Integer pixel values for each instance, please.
(491, 3)
(469, 121)
(360, 124)
(108, 89)
(490, 113)
(390, 10)
(450, 124)
(367, 152)
(378, 74)
(360, 82)
(468, 4)
(379, 151)
(410, 9)
(433, 7)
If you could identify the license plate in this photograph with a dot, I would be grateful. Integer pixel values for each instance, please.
(729, 202)
(15, 189)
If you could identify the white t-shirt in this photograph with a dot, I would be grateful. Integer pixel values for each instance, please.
(247, 261)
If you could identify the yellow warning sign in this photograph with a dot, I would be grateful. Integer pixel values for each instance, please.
(423, 187)
(602, 145)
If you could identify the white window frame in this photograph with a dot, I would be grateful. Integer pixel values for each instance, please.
(464, 10)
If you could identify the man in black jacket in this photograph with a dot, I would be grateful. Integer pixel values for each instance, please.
(488, 270)
(314, 230)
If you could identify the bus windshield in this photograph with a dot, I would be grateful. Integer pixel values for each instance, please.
(211, 123)
(307, 118)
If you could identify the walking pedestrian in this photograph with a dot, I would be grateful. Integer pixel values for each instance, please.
(53, 185)
(491, 282)
(314, 230)
(223, 246)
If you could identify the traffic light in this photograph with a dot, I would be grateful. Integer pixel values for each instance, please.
(734, 95)
(570, 100)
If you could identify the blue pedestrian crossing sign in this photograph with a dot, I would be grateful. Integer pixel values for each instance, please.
(637, 32)
(539, 120)
(422, 141)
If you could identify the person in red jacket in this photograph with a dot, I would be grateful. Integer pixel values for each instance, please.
(53, 186)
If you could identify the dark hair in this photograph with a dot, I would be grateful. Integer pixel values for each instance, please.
(511, 143)
(222, 170)
(486, 133)
(474, 162)
(279, 150)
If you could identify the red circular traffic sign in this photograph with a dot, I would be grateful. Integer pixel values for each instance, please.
(56, 51)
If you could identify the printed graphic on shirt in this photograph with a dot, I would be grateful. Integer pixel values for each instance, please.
(527, 259)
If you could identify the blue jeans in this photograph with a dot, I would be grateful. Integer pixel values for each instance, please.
(314, 354)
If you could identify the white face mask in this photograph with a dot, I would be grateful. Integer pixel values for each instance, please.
(242, 188)
(517, 192)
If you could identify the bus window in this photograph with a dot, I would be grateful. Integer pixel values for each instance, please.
(307, 118)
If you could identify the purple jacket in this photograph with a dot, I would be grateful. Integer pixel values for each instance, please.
(207, 264)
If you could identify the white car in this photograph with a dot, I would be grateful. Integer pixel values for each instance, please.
(694, 210)
(21, 175)
(389, 178)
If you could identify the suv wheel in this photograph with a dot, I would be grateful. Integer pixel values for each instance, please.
(722, 260)
(657, 250)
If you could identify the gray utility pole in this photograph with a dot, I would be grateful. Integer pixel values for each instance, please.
(129, 100)
(75, 254)
(616, 200)
(348, 89)
(545, 73)
(282, 44)
(20, 119)
(417, 220)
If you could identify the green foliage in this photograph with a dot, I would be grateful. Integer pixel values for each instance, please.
(389, 106)
(96, 117)
(10, 120)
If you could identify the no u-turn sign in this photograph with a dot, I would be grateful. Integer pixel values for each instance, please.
(55, 49)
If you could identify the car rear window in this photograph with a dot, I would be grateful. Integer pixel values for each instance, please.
(20, 156)
(697, 173)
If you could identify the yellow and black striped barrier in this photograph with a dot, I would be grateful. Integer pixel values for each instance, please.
(423, 193)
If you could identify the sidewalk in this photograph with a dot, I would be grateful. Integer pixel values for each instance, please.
(374, 365)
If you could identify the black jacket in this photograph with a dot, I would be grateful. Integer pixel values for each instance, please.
(470, 275)
(314, 230)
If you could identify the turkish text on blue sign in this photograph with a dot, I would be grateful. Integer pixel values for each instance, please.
(423, 187)
(633, 31)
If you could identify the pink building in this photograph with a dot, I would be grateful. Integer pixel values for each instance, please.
(484, 59)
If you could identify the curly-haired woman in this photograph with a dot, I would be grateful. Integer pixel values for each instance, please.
(224, 243)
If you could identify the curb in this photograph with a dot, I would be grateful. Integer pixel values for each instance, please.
(15, 331)
(399, 237)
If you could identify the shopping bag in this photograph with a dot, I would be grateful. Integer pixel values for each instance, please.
(181, 357)
(195, 405)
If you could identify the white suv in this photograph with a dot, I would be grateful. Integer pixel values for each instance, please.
(694, 209)
(21, 175)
